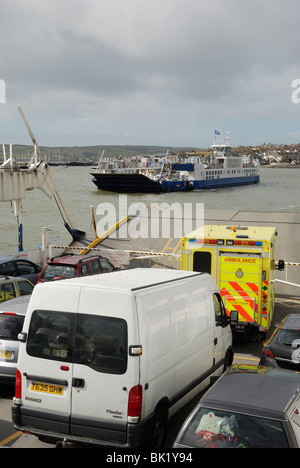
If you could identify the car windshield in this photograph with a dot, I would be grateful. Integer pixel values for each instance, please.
(287, 337)
(57, 271)
(212, 428)
(10, 326)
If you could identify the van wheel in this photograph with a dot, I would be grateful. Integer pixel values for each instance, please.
(228, 360)
(160, 427)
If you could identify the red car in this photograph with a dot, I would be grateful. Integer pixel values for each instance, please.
(69, 266)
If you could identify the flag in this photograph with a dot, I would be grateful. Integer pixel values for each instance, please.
(216, 132)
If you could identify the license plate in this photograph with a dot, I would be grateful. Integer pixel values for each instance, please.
(47, 388)
(6, 354)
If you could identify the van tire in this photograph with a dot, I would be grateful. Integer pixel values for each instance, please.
(228, 360)
(160, 427)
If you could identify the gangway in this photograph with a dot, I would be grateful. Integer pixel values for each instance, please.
(18, 178)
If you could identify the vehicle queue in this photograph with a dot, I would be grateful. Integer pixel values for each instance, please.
(292, 439)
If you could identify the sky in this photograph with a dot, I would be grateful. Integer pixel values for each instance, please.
(159, 72)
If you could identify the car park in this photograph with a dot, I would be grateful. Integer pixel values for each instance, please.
(248, 407)
(11, 287)
(69, 266)
(283, 348)
(12, 314)
(14, 266)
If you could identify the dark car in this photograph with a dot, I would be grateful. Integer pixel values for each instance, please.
(69, 266)
(13, 266)
(283, 348)
(248, 407)
(12, 314)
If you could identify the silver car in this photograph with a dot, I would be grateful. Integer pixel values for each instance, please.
(12, 314)
(248, 407)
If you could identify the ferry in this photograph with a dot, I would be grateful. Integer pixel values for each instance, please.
(220, 169)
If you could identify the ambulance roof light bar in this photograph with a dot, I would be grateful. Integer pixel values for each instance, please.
(228, 242)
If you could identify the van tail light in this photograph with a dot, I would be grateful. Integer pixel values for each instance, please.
(18, 385)
(135, 402)
(267, 352)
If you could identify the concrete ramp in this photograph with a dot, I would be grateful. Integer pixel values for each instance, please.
(288, 242)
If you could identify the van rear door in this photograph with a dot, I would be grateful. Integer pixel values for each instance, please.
(46, 362)
(103, 371)
(47, 370)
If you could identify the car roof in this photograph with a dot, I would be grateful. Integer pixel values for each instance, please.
(291, 321)
(125, 280)
(10, 259)
(4, 278)
(71, 259)
(5, 259)
(18, 305)
(12, 278)
(258, 390)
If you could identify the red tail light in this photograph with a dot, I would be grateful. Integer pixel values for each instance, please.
(135, 401)
(18, 385)
(267, 352)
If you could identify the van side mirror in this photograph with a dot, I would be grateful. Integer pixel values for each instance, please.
(234, 317)
(280, 265)
(22, 337)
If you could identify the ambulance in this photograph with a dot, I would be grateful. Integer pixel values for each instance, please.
(241, 259)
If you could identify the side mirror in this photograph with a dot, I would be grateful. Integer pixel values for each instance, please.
(280, 265)
(234, 317)
(22, 337)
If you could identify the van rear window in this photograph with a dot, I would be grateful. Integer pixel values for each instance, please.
(101, 343)
(95, 341)
(51, 335)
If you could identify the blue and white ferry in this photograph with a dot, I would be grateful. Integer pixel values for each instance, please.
(220, 169)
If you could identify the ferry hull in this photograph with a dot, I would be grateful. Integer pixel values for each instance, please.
(126, 183)
(139, 183)
(226, 182)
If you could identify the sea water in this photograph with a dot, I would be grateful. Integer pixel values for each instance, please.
(278, 190)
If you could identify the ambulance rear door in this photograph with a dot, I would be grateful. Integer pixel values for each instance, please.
(204, 260)
(239, 283)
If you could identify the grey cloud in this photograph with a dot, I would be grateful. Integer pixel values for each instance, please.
(126, 64)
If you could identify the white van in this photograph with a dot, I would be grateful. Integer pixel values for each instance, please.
(106, 359)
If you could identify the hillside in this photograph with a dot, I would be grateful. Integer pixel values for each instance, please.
(86, 153)
(91, 154)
